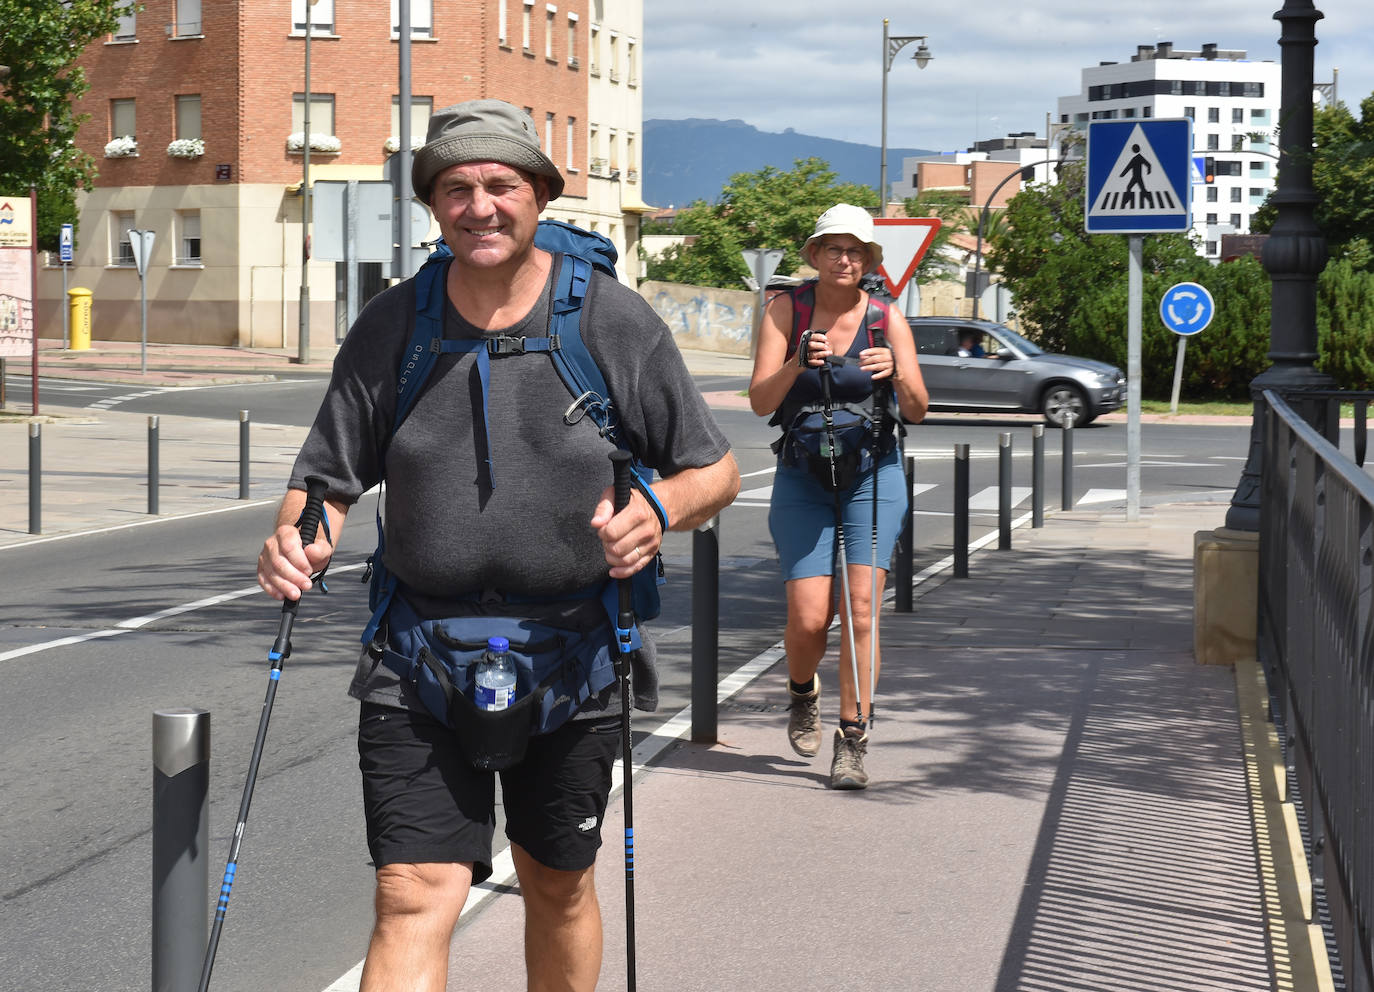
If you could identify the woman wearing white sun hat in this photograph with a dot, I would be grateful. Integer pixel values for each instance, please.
(828, 351)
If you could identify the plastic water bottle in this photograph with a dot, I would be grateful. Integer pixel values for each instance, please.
(494, 684)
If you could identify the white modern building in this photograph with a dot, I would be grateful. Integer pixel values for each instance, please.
(1234, 105)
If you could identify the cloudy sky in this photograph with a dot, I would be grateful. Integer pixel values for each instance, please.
(999, 65)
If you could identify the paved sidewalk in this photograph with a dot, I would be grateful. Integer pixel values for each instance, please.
(1058, 802)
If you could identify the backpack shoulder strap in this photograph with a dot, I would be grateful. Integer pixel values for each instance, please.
(571, 359)
(580, 373)
(803, 306)
(418, 361)
(876, 322)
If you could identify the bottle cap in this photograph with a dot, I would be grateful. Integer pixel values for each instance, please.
(498, 644)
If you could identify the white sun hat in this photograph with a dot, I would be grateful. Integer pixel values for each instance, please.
(845, 218)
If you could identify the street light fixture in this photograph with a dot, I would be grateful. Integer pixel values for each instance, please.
(891, 46)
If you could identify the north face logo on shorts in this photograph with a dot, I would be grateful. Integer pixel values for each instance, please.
(588, 824)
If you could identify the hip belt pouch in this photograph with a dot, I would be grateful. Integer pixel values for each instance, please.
(556, 671)
(805, 446)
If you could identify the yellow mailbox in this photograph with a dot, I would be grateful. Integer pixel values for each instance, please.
(79, 304)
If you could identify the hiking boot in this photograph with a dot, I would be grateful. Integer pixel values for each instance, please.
(847, 770)
(804, 719)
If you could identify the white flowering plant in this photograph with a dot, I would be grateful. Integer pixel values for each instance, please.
(122, 147)
(295, 142)
(186, 148)
(393, 143)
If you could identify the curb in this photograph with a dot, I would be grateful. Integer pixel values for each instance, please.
(1297, 947)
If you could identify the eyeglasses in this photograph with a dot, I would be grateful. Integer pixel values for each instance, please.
(834, 253)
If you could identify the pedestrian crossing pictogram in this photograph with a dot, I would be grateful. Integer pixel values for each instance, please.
(1137, 183)
(1138, 176)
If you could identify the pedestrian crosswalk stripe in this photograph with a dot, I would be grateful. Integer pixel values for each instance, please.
(1101, 496)
(986, 499)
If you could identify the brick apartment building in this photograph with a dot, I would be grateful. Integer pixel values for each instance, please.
(196, 112)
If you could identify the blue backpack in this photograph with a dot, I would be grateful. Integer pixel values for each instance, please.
(582, 252)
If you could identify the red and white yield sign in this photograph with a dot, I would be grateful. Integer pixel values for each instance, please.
(905, 241)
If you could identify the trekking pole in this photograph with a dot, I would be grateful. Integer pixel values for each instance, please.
(873, 604)
(828, 414)
(281, 650)
(624, 630)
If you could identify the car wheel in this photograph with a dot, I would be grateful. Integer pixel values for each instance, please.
(1060, 400)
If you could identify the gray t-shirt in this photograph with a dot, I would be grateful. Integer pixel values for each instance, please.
(449, 534)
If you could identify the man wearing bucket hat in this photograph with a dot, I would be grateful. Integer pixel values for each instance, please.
(829, 364)
(461, 545)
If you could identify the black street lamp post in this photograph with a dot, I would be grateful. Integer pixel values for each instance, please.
(1294, 256)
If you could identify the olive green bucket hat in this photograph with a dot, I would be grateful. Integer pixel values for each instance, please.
(480, 131)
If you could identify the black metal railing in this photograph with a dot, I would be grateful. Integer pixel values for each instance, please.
(1316, 643)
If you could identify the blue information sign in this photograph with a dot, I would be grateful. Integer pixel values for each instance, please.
(1186, 308)
(1139, 176)
(64, 244)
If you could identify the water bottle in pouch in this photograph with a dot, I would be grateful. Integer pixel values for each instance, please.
(494, 684)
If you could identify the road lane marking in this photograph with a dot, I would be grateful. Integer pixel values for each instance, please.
(137, 623)
(142, 523)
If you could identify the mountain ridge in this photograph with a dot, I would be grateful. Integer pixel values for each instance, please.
(694, 157)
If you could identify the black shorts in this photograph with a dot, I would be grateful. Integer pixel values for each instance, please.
(425, 803)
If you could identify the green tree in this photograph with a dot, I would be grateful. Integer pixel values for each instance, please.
(40, 42)
(955, 216)
(1345, 324)
(1343, 176)
(764, 209)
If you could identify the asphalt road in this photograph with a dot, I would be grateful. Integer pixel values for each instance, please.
(168, 615)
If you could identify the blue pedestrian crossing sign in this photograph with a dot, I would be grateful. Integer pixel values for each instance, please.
(1186, 308)
(64, 244)
(1139, 176)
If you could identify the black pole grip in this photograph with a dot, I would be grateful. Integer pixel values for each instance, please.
(314, 509)
(620, 463)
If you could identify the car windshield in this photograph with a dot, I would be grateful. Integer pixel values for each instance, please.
(1007, 334)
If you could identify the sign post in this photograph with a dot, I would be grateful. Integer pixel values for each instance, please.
(142, 244)
(1139, 181)
(65, 257)
(1185, 309)
(762, 262)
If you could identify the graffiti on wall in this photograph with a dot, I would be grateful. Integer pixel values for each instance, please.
(703, 318)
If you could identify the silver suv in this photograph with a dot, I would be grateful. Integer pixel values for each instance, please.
(983, 367)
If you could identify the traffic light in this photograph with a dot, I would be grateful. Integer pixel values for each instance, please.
(1209, 170)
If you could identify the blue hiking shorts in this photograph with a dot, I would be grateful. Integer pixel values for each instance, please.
(802, 518)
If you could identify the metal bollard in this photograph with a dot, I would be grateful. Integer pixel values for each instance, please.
(35, 478)
(902, 574)
(1066, 464)
(705, 629)
(181, 834)
(961, 511)
(152, 464)
(1038, 476)
(243, 454)
(1004, 491)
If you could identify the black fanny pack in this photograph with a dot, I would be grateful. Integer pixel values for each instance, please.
(556, 671)
(806, 444)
